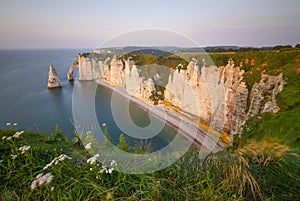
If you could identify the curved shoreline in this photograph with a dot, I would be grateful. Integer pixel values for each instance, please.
(189, 130)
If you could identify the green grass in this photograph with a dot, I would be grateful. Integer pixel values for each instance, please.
(236, 174)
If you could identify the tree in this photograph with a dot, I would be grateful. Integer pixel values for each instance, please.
(58, 134)
(297, 46)
(123, 144)
(279, 47)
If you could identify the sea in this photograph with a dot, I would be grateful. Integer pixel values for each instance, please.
(26, 100)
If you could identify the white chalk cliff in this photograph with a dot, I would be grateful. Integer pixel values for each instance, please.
(216, 96)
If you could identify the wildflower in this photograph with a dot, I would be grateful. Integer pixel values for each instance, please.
(15, 124)
(52, 188)
(62, 157)
(24, 148)
(1, 161)
(93, 159)
(8, 124)
(109, 170)
(104, 125)
(13, 157)
(41, 179)
(33, 184)
(91, 169)
(3, 138)
(17, 134)
(9, 138)
(103, 169)
(113, 163)
(88, 146)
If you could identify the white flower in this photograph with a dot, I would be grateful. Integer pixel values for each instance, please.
(9, 138)
(41, 179)
(103, 169)
(88, 146)
(1, 161)
(15, 124)
(93, 159)
(17, 134)
(109, 170)
(52, 188)
(8, 124)
(13, 157)
(39, 175)
(91, 169)
(113, 163)
(104, 124)
(24, 148)
(33, 184)
(62, 157)
(3, 138)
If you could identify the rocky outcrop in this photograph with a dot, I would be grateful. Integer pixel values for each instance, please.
(71, 70)
(90, 67)
(263, 95)
(53, 80)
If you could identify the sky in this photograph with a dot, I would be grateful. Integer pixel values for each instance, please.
(86, 24)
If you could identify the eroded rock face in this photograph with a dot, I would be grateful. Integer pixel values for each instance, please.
(217, 91)
(71, 70)
(53, 80)
(263, 94)
(124, 73)
(217, 96)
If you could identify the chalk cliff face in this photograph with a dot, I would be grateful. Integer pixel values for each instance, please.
(216, 96)
(53, 80)
(219, 92)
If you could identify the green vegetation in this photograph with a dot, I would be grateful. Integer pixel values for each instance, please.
(283, 127)
(267, 62)
(253, 172)
(123, 144)
(263, 164)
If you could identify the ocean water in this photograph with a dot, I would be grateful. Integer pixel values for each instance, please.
(26, 100)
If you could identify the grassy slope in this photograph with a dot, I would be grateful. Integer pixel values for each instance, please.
(264, 164)
(251, 172)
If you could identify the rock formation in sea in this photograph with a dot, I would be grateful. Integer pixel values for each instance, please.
(215, 96)
(53, 80)
(71, 70)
